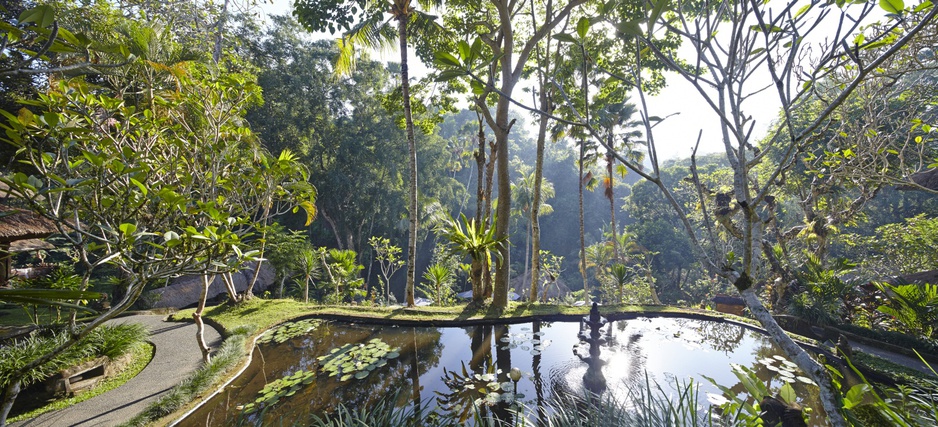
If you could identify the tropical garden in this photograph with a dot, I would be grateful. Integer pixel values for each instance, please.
(475, 164)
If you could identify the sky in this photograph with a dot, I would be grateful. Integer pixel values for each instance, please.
(676, 136)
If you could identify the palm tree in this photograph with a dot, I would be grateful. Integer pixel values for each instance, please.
(372, 33)
(523, 192)
(375, 31)
(621, 136)
(437, 276)
(310, 268)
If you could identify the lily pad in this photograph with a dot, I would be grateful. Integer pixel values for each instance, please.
(357, 360)
(274, 391)
(288, 331)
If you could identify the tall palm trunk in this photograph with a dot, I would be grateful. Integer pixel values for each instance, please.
(582, 225)
(527, 253)
(610, 193)
(481, 214)
(412, 160)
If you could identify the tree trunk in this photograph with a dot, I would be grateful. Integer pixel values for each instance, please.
(412, 160)
(9, 396)
(489, 183)
(333, 226)
(829, 395)
(536, 203)
(580, 185)
(249, 292)
(503, 210)
(610, 193)
(481, 214)
(229, 285)
(197, 316)
(219, 32)
(527, 251)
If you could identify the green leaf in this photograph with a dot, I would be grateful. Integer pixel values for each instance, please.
(477, 87)
(566, 38)
(127, 228)
(465, 51)
(803, 10)
(630, 28)
(855, 396)
(43, 16)
(787, 393)
(446, 59)
(770, 29)
(143, 188)
(450, 75)
(892, 6)
(583, 27)
(655, 14)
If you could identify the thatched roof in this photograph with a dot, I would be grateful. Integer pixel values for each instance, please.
(18, 224)
(927, 179)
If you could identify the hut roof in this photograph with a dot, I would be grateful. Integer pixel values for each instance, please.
(18, 224)
(927, 179)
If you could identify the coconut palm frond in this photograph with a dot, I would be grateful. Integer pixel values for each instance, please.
(426, 26)
(375, 32)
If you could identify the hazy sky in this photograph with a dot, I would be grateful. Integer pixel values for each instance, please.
(675, 138)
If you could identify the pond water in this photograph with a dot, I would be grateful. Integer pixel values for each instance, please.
(437, 366)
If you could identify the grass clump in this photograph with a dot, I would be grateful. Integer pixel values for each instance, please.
(189, 390)
(140, 354)
(109, 340)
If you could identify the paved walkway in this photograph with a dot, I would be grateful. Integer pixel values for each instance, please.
(899, 359)
(177, 355)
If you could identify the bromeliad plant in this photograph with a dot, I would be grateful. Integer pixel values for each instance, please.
(478, 241)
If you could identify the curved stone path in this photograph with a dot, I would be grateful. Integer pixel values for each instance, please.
(176, 356)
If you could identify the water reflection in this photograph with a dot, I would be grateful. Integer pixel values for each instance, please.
(435, 372)
(594, 380)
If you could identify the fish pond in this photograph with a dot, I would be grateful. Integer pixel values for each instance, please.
(308, 368)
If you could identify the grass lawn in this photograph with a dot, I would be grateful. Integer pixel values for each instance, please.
(263, 314)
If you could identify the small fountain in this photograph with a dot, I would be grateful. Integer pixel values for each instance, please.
(594, 380)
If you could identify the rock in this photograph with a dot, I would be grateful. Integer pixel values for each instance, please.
(184, 291)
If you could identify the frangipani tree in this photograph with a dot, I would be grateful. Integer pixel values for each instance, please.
(738, 50)
(155, 193)
(373, 31)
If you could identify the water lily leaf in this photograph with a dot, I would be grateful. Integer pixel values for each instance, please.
(361, 374)
(805, 380)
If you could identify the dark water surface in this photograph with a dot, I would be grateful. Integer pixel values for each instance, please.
(551, 356)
